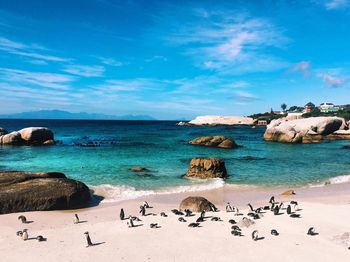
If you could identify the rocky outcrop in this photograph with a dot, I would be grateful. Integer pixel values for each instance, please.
(221, 120)
(3, 131)
(306, 130)
(28, 136)
(196, 204)
(214, 141)
(207, 168)
(36, 191)
(340, 135)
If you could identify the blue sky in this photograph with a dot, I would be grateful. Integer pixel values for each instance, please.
(172, 59)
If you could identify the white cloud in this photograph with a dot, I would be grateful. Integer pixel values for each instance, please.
(301, 67)
(156, 58)
(332, 81)
(111, 61)
(85, 70)
(244, 96)
(31, 51)
(49, 80)
(336, 4)
(225, 41)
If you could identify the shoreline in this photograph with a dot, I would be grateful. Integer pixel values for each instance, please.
(325, 208)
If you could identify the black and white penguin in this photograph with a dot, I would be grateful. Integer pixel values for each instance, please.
(19, 233)
(235, 227)
(88, 239)
(274, 232)
(181, 219)
(276, 211)
(289, 210)
(131, 223)
(232, 221)
(25, 234)
(216, 219)
(228, 207)
(76, 219)
(272, 200)
(312, 232)
(236, 233)
(142, 211)
(122, 214)
(154, 225)
(193, 225)
(188, 213)
(255, 235)
(146, 205)
(162, 214)
(295, 215)
(250, 207)
(23, 219)
(40, 238)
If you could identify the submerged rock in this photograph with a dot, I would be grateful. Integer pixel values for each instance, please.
(196, 204)
(214, 141)
(38, 191)
(139, 169)
(207, 168)
(306, 130)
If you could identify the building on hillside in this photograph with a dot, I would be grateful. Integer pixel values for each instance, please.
(309, 107)
(328, 108)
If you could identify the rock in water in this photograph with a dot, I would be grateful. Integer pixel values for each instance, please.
(288, 193)
(13, 138)
(196, 204)
(139, 169)
(35, 191)
(306, 130)
(36, 135)
(214, 141)
(207, 168)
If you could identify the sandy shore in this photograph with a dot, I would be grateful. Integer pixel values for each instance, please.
(327, 209)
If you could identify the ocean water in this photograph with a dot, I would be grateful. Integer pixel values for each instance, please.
(162, 147)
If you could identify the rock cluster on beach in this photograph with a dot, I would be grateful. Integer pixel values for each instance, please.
(207, 168)
(221, 120)
(27, 136)
(38, 191)
(214, 141)
(307, 130)
(196, 204)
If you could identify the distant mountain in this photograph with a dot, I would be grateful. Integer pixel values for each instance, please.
(59, 114)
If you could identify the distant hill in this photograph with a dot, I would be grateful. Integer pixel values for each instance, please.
(59, 114)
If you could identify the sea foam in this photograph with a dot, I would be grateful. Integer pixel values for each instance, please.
(114, 193)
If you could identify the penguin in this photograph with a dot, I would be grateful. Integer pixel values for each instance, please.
(202, 214)
(40, 238)
(188, 213)
(213, 208)
(228, 207)
(142, 211)
(255, 235)
(236, 228)
(181, 219)
(76, 219)
(163, 214)
(236, 233)
(295, 215)
(25, 234)
(251, 207)
(177, 212)
(276, 211)
(232, 221)
(23, 219)
(131, 223)
(200, 219)
(312, 232)
(19, 233)
(266, 207)
(193, 225)
(146, 205)
(274, 232)
(289, 210)
(122, 214)
(154, 225)
(216, 219)
(272, 200)
(259, 210)
(88, 239)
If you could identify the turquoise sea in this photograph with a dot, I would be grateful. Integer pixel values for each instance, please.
(162, 147)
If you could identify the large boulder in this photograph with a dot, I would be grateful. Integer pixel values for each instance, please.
(3, 131)
(196, 204)
(207, 168)
(13, 138)
(306, 130)
(36, 135)
(36, 191)
(214, 141)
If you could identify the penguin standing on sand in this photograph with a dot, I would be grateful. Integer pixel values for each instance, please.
(312, 232)
(131, 223)
(76, 219)
(40, 238)
(122, 214)
(274, 232)
(255, 235)
(142, 210)
(23, 219)
(228, 207)
(25, 234)
(88, 239)
(289, 210)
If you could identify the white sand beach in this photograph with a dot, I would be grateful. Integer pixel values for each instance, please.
(327, 209)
